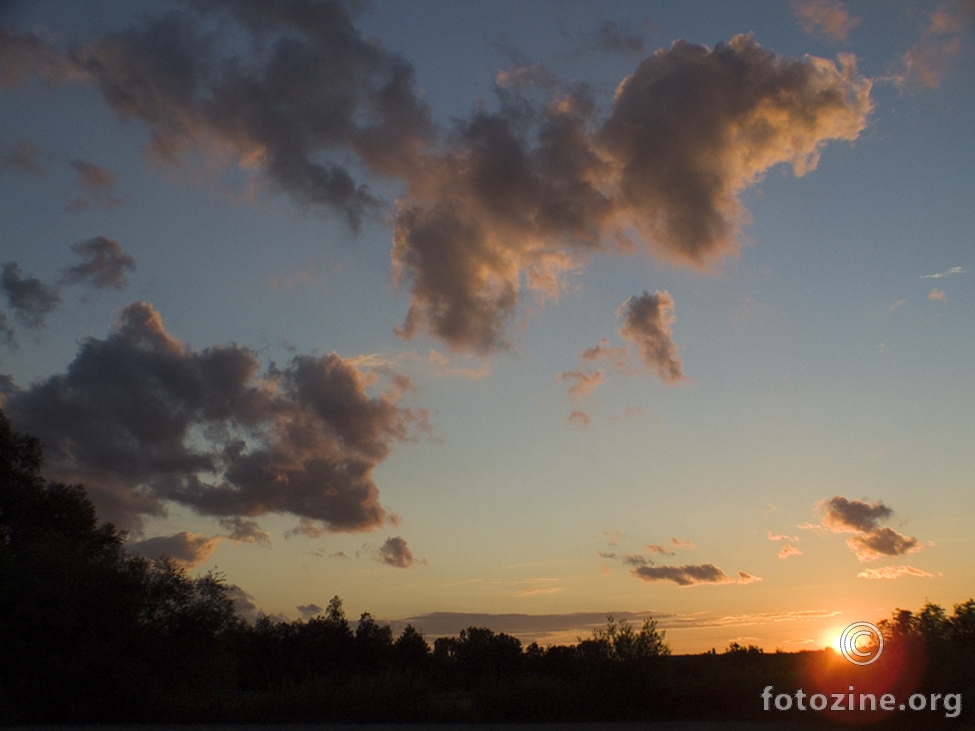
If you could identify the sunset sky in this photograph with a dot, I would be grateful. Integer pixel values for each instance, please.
(507, 314)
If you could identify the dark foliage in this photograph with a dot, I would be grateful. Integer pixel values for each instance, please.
(89, 633)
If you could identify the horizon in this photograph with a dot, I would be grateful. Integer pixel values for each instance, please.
(539, 313)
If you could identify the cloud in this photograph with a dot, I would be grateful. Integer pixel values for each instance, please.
(29, 55)
(687, 575)
(789, 550)
(746, 578)
(853, 516)
(309, 610)
(897, 305)
(774, 537)
(646, 323)
(308, 89)
(245, 531)
(893, 572)
(396, 553)
(187, 550)
(929, 61)
(582, 383)
(681, 545)
(142, 419)
(243, 604)
(28, 297)
(946, 273)
(97, 184)
(882, 542)
(580, 419)
(825, 18)
(937, 295)
(104, 264)
(22, 158)
(871, 541)
(504, 204)
(516, 199)
(442, 367)
(618, 356)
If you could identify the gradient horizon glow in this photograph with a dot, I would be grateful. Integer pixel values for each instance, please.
(506, 314)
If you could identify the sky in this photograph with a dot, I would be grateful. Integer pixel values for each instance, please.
(505, 314)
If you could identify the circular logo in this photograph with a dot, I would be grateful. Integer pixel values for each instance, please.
(861, 643)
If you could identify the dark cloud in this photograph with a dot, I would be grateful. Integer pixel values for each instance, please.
(245, 531)
(187, 550)
(646, 323)
(882, 542)
(104, 264)
(140, 419)
(243, 604)
(853, 516)
(507, 202)
(28, 297)
(308, 90)
(687, 575)
(396, 553)
(517, 197)
(872, 541)
(22, 157)
(309, 610)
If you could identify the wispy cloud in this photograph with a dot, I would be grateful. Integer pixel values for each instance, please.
(944, 37)
(828, 19)
(937, 295)
(789, 550)
(946, 273)
(893, 572)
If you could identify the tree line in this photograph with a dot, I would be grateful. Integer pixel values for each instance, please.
(90, 633)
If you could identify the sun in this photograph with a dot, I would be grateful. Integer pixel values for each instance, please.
(831, 638)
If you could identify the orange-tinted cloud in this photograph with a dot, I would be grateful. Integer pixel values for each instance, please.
(945, 36)
(937, 295)
(789, 550)
(825, 18)
(582, 384)
(186, 550)
(893, 572)
(687, 575)
(506, 207)
(882, 542)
